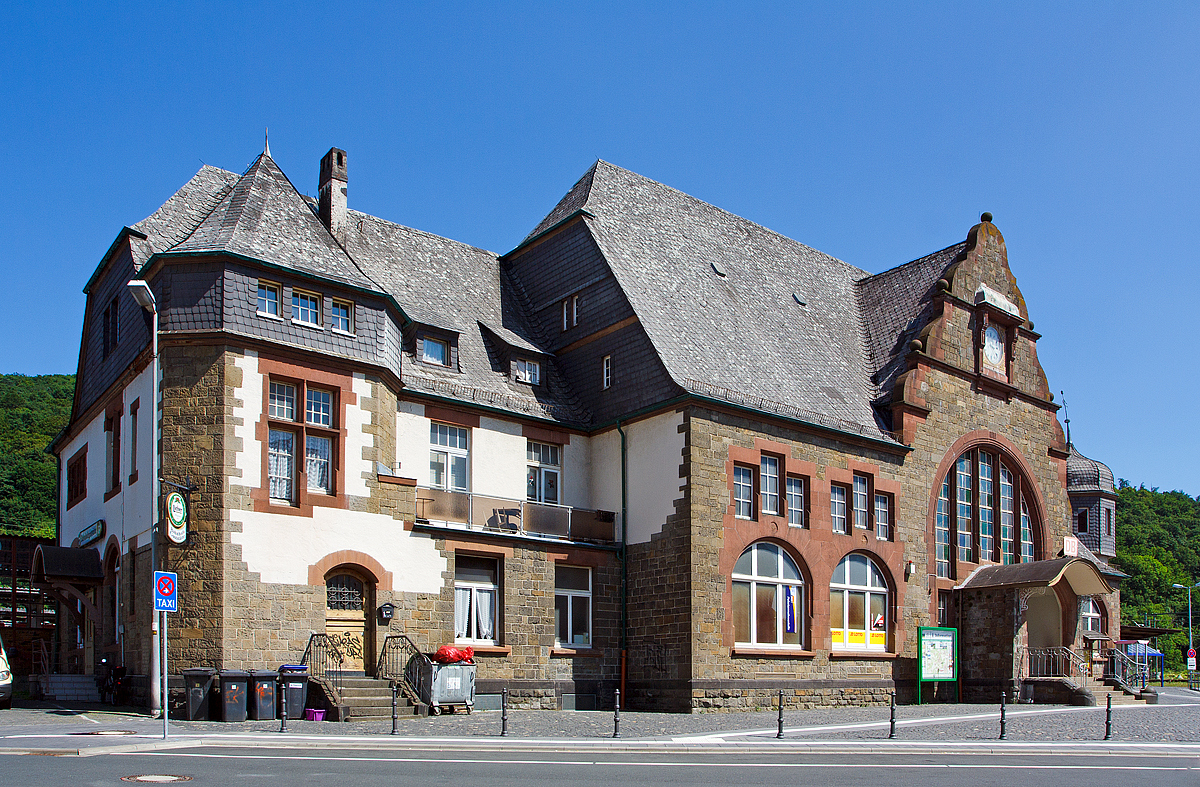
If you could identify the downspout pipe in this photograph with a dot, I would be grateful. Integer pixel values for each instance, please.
(624, 554)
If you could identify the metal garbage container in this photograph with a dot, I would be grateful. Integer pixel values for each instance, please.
(262, 694)
(197, 687)
(446, 685)
(294, 682)
(234, 688)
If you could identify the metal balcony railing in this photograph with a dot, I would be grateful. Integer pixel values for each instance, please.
(506, 515)
(1052, 663)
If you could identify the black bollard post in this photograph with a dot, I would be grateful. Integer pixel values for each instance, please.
(1003, 734)
(617, 716)
(892, 730)
(504, 712)
(395, 713)
(1108, 719)
(283, 706)
(780, 733)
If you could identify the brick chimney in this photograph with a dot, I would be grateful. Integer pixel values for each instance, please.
(332, 194)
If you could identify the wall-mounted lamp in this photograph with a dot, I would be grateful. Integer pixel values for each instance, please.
(908, 569)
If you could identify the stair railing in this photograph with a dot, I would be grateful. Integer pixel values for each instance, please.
(41, 664)
(1056, 662)
(324, 660)
(401, 661)
(1128, 672)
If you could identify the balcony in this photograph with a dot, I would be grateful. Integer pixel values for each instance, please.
(504, 515)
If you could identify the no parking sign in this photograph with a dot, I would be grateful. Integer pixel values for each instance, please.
(166, 590)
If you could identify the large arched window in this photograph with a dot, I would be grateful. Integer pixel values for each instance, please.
(982, 515)
(858, 605)
(768, 598)
(1091, 614)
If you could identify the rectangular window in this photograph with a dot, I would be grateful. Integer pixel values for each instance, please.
(795, 501)
(570, 312)
(77, 477)
(342, 316)
(281, 403)
(943, 611)
(281, 464)
(1026, 534)
(542, 472)
(112, 454)
(435, 351)
(743, 489)
(606, 372)
(268, 299)
(319, 407)
(317, 457)
(572, 606)
(448, 457)
(110, 329)
(476, 593)
(883, 517)
(133, 439)
(306, 307)
(1108, 517)
(837, 508)
(768, 481)
(1007, 517)
(942, 530)
(963, 476)
(860, 501)
(1081, 521)
(529, 371)
(986, 504)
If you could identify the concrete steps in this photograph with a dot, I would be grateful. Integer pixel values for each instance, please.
(69, 688)
(372, 698)
(1101, 692)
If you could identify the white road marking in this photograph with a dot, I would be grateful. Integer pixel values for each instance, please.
(80, 715)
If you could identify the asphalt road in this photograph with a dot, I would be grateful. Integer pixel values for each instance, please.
(365, 767)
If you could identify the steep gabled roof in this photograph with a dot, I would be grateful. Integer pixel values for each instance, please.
(182, 213)
(263, 217)
(447, 284)
(736, 312)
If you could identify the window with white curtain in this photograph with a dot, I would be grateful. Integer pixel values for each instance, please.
(303, 422)
(476, 595)
(281, 464)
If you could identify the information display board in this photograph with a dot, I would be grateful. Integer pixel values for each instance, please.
(937, 651)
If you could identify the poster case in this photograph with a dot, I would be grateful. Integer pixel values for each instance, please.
(937, 661)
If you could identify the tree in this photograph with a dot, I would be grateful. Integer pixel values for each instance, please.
(33, 410)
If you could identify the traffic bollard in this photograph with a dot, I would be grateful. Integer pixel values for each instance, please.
(1003, 734)
(283, 704)
(892, 730)
(395, 713)
(504, 712)
(780, 733)
(1108, 719)
(617, 716)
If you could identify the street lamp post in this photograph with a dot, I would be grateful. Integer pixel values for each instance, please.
(141, 292)
(1188, 588)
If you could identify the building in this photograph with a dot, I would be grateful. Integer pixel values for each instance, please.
(655, 446)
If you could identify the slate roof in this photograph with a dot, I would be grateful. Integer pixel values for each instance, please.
(1087, 475)
(263, 217)
(182, 213)
(67, 563)
(1035, 573)
(895, 306)
(450, 285)
(736, 311)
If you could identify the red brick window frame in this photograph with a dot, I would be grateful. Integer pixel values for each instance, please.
(875, 486)
(302, 427)
(77, 477)
(760, 475)
(112, 451)
(134, 409)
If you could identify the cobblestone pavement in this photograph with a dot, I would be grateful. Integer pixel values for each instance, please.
(1176, 719)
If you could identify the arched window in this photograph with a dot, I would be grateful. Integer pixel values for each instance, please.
(858, 605)
(1091, 614)
(344, 591)
(977, 513)
(768, 598)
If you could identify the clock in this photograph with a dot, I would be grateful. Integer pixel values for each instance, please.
(993, 346)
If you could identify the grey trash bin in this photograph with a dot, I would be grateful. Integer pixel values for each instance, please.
(446, 685)
(234, 688)
(293, 681)
(262, 694)
(197, 686)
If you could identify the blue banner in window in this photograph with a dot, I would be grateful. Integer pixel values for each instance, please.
(789, 609)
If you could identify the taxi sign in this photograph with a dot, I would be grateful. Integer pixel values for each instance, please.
(166, 590)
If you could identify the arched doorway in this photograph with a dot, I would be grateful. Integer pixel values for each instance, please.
(1044, 618)
(349, 601)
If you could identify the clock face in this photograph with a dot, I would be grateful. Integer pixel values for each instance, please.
(993, 348)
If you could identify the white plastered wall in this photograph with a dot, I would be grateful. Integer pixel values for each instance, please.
(412, 441)
(248, 460)
(358, 440)
(127, 513)
(577, 473)
(654, 450)
(498, 459)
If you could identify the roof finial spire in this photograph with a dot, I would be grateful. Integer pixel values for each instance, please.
(266, 142)
(1066, 415)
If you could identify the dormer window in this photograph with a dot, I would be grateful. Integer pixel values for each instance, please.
(528, 371)
(306, 307)
(435, 351)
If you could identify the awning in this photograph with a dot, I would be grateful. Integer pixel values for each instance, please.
(67, 573)
(1082, 575)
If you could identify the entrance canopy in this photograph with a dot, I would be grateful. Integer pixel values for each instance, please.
(67, 573)
(1082, 575)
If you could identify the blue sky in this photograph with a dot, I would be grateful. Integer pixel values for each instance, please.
(876, 133)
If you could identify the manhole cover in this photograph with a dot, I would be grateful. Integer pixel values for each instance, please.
(156, 778)
(106, 732)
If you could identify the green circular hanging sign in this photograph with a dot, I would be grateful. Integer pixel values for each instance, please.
(177, 515)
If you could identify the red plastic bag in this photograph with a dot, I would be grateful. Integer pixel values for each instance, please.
(453, 654)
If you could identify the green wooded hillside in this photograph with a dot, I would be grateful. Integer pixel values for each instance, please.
(32, 412)
(1158, 545)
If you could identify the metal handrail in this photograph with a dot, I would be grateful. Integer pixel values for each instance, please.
(512, 518)
(399, 661)
(1055, 662)
(323, 659)
(1126, 671)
